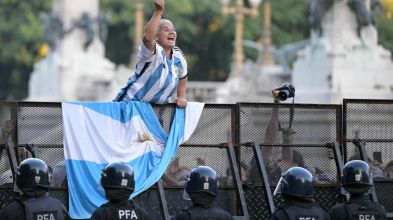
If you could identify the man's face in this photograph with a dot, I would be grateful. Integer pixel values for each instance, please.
(166, 35)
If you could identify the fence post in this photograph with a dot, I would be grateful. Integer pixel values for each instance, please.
(235, 172)
(263, 173)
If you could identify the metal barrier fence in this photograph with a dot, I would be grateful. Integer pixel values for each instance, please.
(368, 135)
(287, 135)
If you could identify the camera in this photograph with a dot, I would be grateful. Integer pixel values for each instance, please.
(286, 91)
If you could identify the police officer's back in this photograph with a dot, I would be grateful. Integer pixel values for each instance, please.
(117, 179)
(356, 180)
(296, 187)
(202, 188)
(32, 180)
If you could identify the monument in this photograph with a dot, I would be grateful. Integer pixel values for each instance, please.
(75, 68)
(343, 58)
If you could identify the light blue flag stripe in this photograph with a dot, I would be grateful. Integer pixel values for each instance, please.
(83, 176)
(85, 191)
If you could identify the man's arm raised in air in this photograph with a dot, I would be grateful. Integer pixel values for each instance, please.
(153, 25)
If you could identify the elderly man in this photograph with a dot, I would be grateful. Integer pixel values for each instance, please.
(161, 68)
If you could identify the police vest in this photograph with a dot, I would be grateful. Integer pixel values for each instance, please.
(43, 208)
(120, 213)
(199, 213)
(366, 210)
(125, 214)
(299, 213)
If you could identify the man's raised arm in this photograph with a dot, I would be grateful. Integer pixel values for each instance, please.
(153, 25)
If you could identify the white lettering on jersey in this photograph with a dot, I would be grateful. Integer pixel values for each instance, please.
(127, 214)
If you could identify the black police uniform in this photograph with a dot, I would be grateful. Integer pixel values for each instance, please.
(122, 210)
(203, 213)
(296, 186)
(202, 188)
(32, 179)
(117, 179)
(44, 207)
(358, 207)
(357, 180)
(299, 209)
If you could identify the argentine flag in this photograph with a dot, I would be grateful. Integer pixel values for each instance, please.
(96, 134)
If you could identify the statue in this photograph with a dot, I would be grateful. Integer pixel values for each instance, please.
(86, 23)
(103, 20)
(335, 63)
(362, 14)
(365, 16)
(316, 11)
(53, 28)
(377, 9)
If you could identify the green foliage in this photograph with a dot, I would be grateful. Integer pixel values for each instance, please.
(21, 35)
(203, 37)
(204, 34)
(385, 32)
(119, 45)
(289, 22)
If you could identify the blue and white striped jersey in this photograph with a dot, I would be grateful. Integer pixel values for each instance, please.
(156, 78)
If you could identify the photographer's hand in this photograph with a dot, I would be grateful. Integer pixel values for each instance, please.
(275, 95)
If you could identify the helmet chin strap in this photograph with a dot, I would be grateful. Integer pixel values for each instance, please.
(34, 192)
(117, 195)
(203, 199)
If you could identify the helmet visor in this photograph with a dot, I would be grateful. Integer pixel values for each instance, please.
(277, 191)
(186, 196)
(17, 189)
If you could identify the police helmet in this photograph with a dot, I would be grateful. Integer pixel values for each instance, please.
(297, 182)
(32, 173)
(356, 177)
(202, 179)
(118, 175)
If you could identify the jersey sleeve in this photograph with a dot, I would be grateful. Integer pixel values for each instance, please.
(184, 69)
(146, 56)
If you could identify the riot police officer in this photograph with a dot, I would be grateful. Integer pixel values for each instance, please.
(202, 188)
(32, 180)
(296, 187)
(117, 179)
(357, 180)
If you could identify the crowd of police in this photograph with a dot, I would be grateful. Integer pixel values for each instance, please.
(32, 182)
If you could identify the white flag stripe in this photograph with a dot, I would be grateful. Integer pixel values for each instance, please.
(101, 139)
(98, 133)
(193, 113)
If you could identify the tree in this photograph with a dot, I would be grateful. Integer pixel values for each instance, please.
(385, 32)
(21, 35)
(205, 35)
